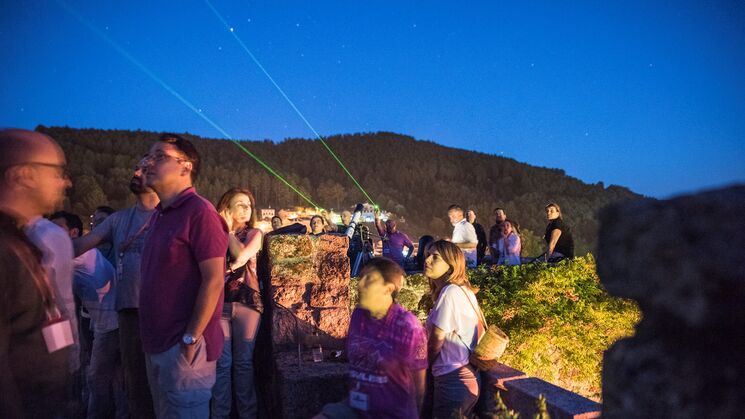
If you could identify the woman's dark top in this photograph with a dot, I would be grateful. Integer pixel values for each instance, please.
(242, 284)
(33, 382)
(565, 245)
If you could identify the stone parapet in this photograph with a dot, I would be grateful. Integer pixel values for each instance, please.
(520, 393)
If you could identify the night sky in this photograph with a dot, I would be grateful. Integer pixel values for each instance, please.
(648, 95)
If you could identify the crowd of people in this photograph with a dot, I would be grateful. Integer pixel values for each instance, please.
(155, 311)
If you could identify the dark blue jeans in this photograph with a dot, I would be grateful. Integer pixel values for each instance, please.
(235, 370)
(456, 390)
(105, 379)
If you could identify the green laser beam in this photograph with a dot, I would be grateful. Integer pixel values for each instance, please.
(289, 101)
(178, 96)
(268, 168)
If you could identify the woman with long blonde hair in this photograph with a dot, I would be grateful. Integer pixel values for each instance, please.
(453, 329)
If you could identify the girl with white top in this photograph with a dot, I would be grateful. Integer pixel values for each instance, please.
(453, 329)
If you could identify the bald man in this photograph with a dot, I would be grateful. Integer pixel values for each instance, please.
(34, 382)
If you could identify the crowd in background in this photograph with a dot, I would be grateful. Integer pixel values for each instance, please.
(155, 311)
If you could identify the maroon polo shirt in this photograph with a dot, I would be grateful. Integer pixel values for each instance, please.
(179, 237)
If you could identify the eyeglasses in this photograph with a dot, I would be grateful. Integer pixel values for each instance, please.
(159, 157)
(62, 171)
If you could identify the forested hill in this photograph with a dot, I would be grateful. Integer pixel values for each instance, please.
(416, 180)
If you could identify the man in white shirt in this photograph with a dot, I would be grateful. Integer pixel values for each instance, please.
(464, 235)
(93, 285)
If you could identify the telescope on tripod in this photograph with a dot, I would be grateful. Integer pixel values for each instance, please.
(360, 244)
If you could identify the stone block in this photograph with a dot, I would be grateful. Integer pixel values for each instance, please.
(293, 272)
(290, 327)
(325, 295)
(521, 395)
(500, 374)
(289, 246)
(492, 382)
(332, 243)
(333, 321)
(333, 268)
(674, 377)
(291, 296)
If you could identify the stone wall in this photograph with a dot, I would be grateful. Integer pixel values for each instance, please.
(683, 261)
(305, 282)
(309, 287)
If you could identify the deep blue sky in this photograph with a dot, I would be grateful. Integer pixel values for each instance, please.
(649, 95)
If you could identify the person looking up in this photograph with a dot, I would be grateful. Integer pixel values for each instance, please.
(464, 234)
(394, 241)
(453, 329)
(183, 268)
(34, 380)
(480, 234)
(125, 231)
(317, 225)
(559, 241)
(242, 307)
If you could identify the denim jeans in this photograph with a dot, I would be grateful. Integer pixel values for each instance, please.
(456, 390)
(235, 365)
(105, 380)
(181, 389)
(137, 389)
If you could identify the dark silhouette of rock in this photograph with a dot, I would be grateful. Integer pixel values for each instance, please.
(683, 261)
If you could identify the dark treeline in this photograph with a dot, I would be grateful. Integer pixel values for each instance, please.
(416, 180)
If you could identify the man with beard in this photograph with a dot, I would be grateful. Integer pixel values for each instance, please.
(126, 230)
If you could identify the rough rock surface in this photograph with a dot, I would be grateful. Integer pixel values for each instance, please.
(306, 298)
(683, 261)
(308, 282)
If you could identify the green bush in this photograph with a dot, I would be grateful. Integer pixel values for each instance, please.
(559, 318)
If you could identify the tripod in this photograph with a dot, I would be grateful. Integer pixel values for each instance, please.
(364, 252)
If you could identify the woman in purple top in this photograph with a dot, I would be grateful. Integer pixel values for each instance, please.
(387, 350)
(394, 241)
(242, 307)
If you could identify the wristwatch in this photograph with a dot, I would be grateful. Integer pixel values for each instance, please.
(189, 339)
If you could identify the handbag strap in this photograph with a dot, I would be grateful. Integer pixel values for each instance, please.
(479, 313)
(479, 316)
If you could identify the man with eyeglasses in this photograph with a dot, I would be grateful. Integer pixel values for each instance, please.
(125, 231)
(35, 276)
(183, 263)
